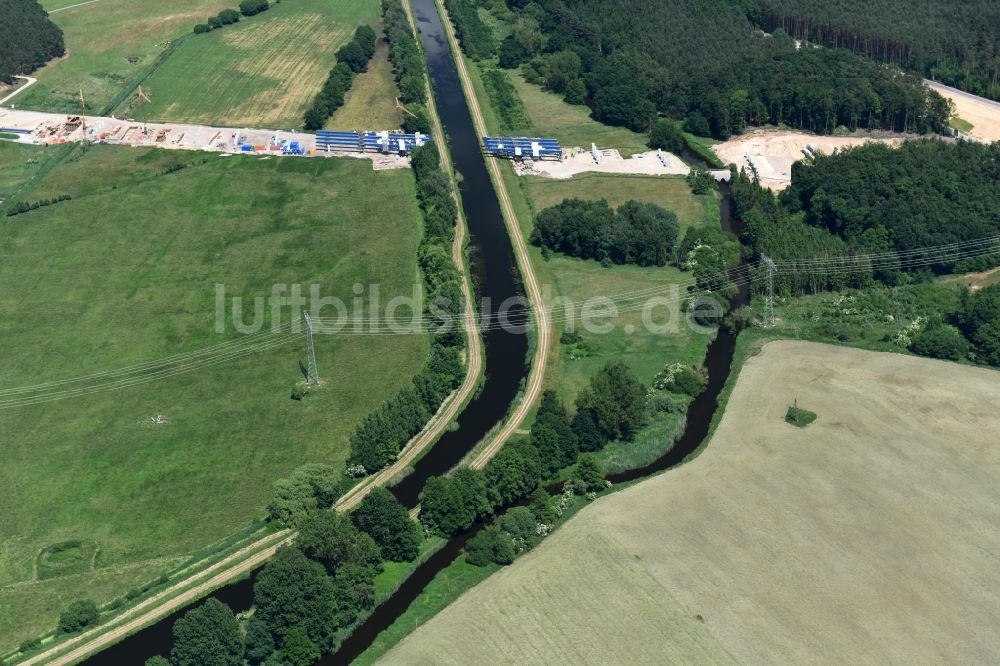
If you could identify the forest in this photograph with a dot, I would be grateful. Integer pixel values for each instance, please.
(870, 216)
(873, 199)
(30, 39)
(630, 60)
(921, 194)
(952, 42)
(637, 233)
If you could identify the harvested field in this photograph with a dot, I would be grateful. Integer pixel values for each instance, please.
(261, 72)
(867, 538)
(982, 114)
(774, 151)
(109, 43)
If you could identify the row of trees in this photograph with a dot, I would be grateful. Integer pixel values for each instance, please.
(382, 433)
(613, 406)
(704, 62)
(404, 53)
(952, 42)
(352, 58)
(225, 17)
(636, 233)
(646, 234)
(25, 206)
(30, 39)
(407, 65)
(306, 594)
(475, 36)
(504, 100)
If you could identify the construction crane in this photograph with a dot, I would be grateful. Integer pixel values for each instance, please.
(83, 111)
(143, 98)
(399, 105)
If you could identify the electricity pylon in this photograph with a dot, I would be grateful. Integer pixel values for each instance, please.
(769, 297)
(312, 375)
(83, 110)
(143, 98)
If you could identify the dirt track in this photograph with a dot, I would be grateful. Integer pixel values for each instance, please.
(984, 114)
(869, 537)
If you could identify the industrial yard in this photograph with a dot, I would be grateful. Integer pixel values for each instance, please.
(772, 152)
(596, 160)
(39, 128)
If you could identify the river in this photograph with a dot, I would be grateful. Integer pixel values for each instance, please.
(494, 270)
(496, 277)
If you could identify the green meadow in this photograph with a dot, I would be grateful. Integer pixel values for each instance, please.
(109, 44)
(125, 273)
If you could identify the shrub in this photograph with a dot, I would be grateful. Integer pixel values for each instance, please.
(252, 7)
(799, 417)
(616, 400)
(490, 545)
(294, 591)
(663, 402)
(80, 614)
(299, 649)
(589, 474)
(700, 181)
(229, 16)
(666, 136)
(29, 644)
(385, 520)
(739, 319)
(680, 378)
(697, 124)
(310, 487)
(940, 340)
(420, 121)
(202, 28)
(258, 641)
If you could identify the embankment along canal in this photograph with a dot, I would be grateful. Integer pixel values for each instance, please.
(495, 272)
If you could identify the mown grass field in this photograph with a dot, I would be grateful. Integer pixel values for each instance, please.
(109, 43)
(670, 192)
(370, 104)
(124, 273)
(263, 71)
(865, 538)
(18, 163)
